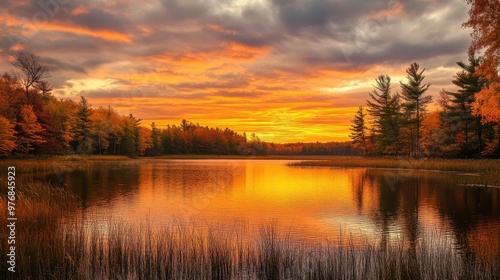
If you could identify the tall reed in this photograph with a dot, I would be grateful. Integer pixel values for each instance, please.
(53, 245)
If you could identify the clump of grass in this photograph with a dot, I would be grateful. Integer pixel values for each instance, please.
(33, 164)
(38, 206)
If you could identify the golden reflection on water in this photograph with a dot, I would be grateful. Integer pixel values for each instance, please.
(309, 202)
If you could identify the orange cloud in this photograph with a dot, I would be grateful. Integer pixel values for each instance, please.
(79, 10)
(221, 29)
(32, 28)
(394, 10)
(17, 47)
(107, 35)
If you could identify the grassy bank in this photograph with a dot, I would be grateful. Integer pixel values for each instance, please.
(47, 163)
(50, 246)
(487, 169)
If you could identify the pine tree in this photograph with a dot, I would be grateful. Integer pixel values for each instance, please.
(358, 129)
(82, 142)
(130, 141)
(415, 103)
(384, 108)
(156, 149)
(459, 110)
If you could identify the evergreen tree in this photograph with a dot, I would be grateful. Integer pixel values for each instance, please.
(358, 128)
(82, 141)
(414, 104)
(130, 141)
(467, 127)
(156, 148)
(384, 108)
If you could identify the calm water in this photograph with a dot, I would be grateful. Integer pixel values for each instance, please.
(310, 202)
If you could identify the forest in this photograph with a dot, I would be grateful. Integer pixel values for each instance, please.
(467, 121)
(33, 121)
(398, 124)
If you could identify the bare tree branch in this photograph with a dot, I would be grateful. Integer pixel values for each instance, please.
(32, 71)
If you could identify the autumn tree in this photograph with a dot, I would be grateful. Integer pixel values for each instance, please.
(11, 97)
(45, 118)
(257, 146)
(414, 103)
(28, 131)
(129, 144)
(114, 130)
(358, 129)
(484, 19)
(32, 71)
(64, 114)
(144, 141)
(102, 128)
(432, 134)
(384, 108)
(7, 137)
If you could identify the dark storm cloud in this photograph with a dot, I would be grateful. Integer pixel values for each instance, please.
(367, 34)
(41, 12)
(56, 65)
(297, 14)
(101, 20)
(396, 52)
(180, 9)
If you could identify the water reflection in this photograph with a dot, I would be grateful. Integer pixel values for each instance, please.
(311, 202)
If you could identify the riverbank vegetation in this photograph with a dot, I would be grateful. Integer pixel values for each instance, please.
(397, 124)
(59, 245)
(482, 172)
(467, 121)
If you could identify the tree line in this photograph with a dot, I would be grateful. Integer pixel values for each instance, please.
(398, 124)
(33, 121)
(467, 121)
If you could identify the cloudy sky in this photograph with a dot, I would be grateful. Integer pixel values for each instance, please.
(288, 70)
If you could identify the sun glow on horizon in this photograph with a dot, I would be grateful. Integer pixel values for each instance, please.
(288, 72)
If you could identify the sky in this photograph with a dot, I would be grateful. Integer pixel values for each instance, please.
(287, 70)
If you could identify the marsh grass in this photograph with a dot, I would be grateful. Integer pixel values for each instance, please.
(35, 164)
(53, 243)
(481, 172)
(184, 252)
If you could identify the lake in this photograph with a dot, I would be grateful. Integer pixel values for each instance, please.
(310, 203)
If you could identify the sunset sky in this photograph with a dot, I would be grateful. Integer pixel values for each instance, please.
(288, 70)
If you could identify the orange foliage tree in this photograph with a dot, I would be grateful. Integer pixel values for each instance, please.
(484, 19)
(30, 131)
(7, 144)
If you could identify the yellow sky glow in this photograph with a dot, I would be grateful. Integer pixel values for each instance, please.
(288, 73)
